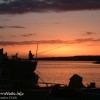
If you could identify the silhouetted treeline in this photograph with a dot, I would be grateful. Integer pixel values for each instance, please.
(72, 58)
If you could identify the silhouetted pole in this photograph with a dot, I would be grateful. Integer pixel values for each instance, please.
(37, 50)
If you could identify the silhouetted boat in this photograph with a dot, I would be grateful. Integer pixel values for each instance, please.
(17, 73)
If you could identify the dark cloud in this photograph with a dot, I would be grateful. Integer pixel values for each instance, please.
(26, 35)
(15, 27)
(16, 43)
(23, 6)
(50, 42)
(87, 40)
(89, 33)
(2, 27)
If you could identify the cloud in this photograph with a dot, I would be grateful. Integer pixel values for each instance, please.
(86, 40)
(18, 36)
(77, 41)
(23, 6)
(2, 43)
(89, 33)
(27, 35)
(15, 27)
(3, 27)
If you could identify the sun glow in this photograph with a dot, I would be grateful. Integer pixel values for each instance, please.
(58, 34)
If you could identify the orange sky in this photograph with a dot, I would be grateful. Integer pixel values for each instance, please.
(63, 33)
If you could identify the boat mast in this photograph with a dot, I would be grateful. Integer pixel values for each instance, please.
(37, 50)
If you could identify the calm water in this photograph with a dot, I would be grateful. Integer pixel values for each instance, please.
(61, 71)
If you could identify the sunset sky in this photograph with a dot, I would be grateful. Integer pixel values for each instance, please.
(59, 27)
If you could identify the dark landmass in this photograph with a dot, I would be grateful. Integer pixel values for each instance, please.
(72, 58)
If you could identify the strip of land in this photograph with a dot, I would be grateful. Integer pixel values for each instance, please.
(72, 58)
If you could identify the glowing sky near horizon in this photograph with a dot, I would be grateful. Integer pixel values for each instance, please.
(63, 33)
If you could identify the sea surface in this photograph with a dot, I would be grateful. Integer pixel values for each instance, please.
(61, 71)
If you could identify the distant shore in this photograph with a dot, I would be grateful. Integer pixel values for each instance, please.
(71, 58)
